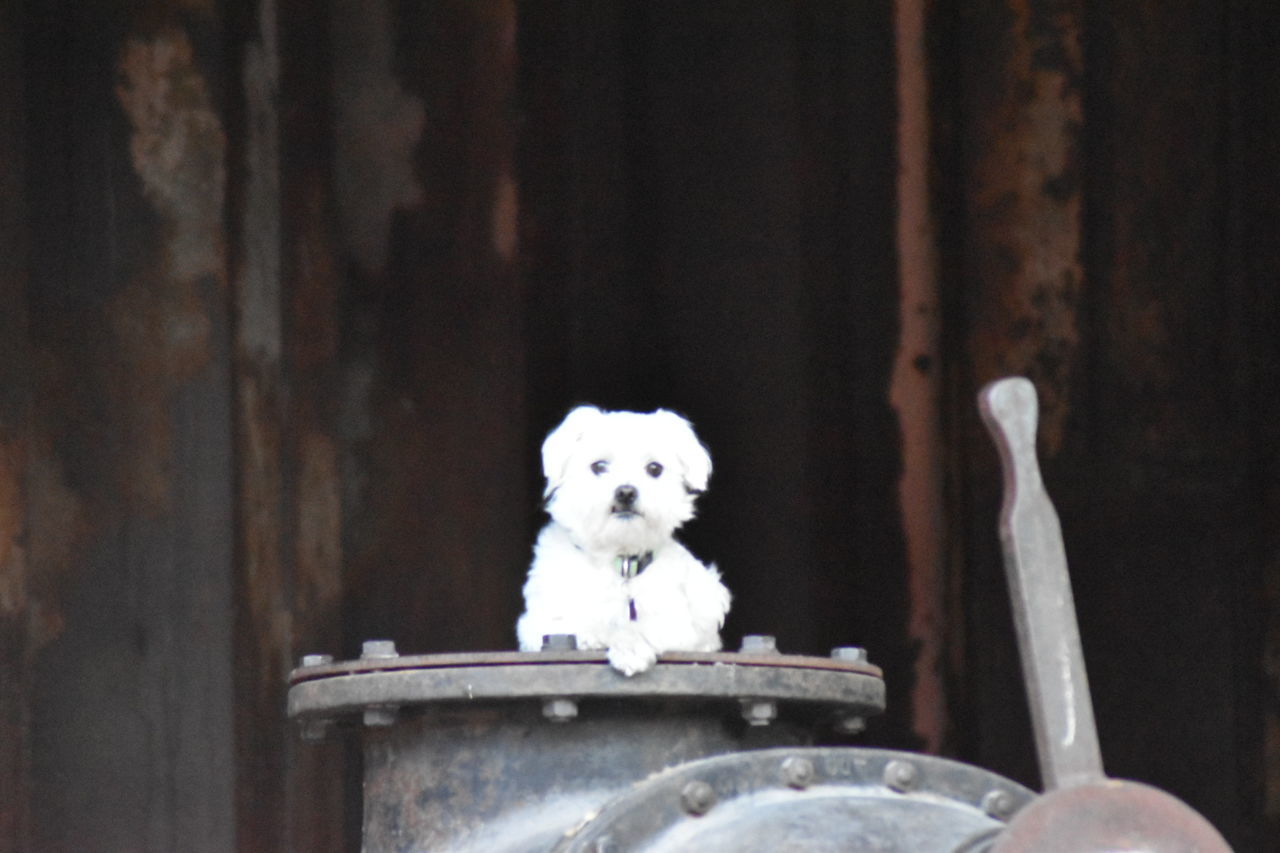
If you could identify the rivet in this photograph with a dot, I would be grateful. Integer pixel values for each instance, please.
(759, 644)
(560, 710)
(853, 654)
(698, 798)
(797, 772)
(316, 660)
(559, 642)
(759, 712)
(377, 649)
(997, 804)
(900, 776)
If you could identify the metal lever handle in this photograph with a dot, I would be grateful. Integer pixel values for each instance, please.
(1043, 609)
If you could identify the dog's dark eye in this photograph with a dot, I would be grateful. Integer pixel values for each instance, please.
(599, 467)
(654, 469)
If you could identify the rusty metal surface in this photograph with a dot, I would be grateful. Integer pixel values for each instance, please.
(1107, 816)
(504, 779)
(1024, 101)
(805, 799)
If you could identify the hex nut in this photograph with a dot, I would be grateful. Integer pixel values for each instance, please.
(378, 649)
(797, 773)
(759, 644)
(315, 660)
(560, 710)
(697, 798)
(853, 654)
(900, 776)
(559, 642)
(759, 712)
(998, 804)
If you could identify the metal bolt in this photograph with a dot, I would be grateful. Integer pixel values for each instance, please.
(377, 649)
(317, 729)
(698, 798)
(560, 710)
(850, 725)
(559, 642)
(383, 715)
(759, 644)
(998, 804)
(853, 654)
(901, 776)
(316, 660)
(759, 712)
(797, 773)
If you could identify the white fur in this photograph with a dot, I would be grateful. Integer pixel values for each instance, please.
(574, 584)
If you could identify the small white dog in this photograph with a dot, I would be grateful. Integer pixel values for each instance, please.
(607, 568)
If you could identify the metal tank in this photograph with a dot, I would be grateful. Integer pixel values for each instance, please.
(556, 752)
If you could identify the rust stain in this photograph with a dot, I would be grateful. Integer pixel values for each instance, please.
(161, 320)
(915, 389)
(13, 557)
(58, 528)
(1028, 202)
(319, 540)
(505, 218)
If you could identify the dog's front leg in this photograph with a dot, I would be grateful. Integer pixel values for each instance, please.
(630, 652)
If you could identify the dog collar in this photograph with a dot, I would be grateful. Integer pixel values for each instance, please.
(630, 565)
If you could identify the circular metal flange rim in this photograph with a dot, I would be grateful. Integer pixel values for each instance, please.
(642, 814)
(471, 659)
(846, 689)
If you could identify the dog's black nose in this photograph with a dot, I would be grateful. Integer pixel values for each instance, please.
(625, 495)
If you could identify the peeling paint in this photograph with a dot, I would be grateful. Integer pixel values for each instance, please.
(178, 148)
(161, 319)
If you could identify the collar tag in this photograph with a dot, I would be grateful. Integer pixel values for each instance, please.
(630, 565)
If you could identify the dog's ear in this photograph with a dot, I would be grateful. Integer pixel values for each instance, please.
(694, 459)
(561, 441)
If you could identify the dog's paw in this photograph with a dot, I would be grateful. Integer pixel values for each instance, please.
(632, 655)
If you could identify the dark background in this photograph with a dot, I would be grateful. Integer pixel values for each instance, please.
(291, 291)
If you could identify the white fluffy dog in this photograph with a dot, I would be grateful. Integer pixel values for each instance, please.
(606, 567)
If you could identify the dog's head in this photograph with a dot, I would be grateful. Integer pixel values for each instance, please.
(623, 481)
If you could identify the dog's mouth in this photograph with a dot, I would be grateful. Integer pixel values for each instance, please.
(623, 513)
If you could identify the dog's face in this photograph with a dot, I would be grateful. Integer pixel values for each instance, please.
(623, 481)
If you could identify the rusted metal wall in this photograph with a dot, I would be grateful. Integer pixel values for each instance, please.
(1096, 178)
(290, 293)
